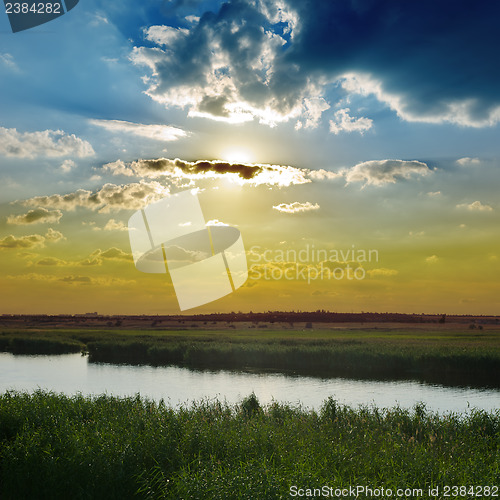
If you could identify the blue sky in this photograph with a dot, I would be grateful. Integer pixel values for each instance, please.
(390, 110)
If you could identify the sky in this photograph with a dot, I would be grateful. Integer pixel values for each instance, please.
(353, 143)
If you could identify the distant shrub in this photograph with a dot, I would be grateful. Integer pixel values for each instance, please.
(250, 406)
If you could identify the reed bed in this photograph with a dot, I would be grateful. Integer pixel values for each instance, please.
(58, 447)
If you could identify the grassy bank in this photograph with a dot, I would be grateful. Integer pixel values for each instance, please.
(449, 357)
(57, 447)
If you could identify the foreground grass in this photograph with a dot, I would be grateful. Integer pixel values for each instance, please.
(442, 356)
(58, 447)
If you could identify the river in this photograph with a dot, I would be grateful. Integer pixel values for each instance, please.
(72, 373)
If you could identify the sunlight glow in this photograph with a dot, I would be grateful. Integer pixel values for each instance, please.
(237, 155)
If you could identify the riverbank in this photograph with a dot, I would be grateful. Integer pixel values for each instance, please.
(58, 447)
(450, 357)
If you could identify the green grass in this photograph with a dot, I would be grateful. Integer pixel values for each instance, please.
(450, 357)
(58, 447)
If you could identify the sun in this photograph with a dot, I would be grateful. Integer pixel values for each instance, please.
(237, 155)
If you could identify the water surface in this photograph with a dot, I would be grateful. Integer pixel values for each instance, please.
(71, 374)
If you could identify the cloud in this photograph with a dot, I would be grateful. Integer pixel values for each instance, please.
(53, 235)
(382, 272)
(296, 207)
(215, 222)
(375, 172)
(112, 253)
(321, 174)
(434, 193)
(67, 165)
(156, 132)
(164, 35)
(295, 59)
(312, 110)
(33, 277)
(110, 197)
(345, 123)
(77, 279)
(100, 281)
(97, 257)
(380, 172)
(243, 173)
(33, 240)
(432, 259)
(72, 279)
(416, 234)
(466, 162)
(38, 215)
(476, 206)
(99, 18)
(48, 143)
(8, 61)
(30, 241)
(464, 112)
(192, 19)
(51, 261)
(225, 65)
(112, 225)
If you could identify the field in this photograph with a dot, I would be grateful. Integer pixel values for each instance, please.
(59, 447)
(448, 355)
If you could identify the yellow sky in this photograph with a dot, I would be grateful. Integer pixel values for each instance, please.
(306, 254)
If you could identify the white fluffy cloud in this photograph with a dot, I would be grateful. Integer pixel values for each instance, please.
(458, 112)
(110, 197)
(322, 174)
(476, 206)
(156, 132)
(67, 165)
(379, 172)
(343, 122)
(222, 67)
(296, 207)
(48, 143)
(466, 162)
(8, 61)
(111, 225)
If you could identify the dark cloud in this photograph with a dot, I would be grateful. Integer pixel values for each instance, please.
(431, 53)
(200, 167)
(35, 216)
(214, 105)
(428, 60)
(77, 279)
(279, 175)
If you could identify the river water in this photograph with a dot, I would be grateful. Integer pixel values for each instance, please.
(72, 373)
